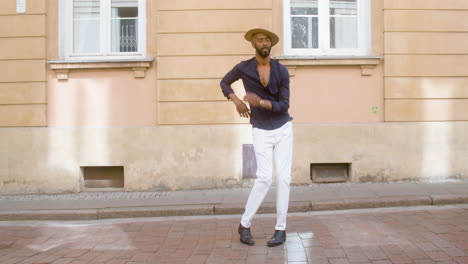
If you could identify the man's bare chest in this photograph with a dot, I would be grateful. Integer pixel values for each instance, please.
(264, 74)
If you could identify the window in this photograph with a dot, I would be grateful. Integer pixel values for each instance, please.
(326, 27)
(96, 29)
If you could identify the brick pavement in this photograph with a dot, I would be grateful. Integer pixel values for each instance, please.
(423, 235)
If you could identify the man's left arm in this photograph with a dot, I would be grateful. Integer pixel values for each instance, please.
(282, 105)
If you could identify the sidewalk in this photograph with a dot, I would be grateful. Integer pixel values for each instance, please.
(105, 205)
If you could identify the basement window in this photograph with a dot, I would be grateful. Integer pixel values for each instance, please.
(103, 177)
(329, 172)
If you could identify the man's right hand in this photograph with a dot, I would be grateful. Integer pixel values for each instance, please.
(241, 107)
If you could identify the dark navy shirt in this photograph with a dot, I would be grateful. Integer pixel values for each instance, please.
(277, 92)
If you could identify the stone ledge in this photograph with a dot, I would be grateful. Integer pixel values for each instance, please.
(367, 63)
(139, 66)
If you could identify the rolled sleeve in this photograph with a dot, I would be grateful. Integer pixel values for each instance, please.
(228, 79)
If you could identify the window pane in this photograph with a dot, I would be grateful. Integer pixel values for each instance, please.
(86, 9)
(343, 33)
(124, 33)
(124, 3)
(86, 26)
(343, 24)
(304, 7)
(304, 32)
(304, 24)
(343, 7)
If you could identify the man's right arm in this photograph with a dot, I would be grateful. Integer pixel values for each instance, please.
(241, 107)
(228, 92)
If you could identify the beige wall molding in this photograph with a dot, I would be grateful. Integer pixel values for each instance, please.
(139, 66)
(367, 64)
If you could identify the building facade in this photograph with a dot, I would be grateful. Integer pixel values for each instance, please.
(124, 94)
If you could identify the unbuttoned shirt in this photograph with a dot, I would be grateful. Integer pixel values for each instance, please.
(277, 92)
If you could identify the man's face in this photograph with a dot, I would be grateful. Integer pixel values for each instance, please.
(262, 44)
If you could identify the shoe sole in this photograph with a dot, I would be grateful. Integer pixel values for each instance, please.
(275, 244)
(248, 244)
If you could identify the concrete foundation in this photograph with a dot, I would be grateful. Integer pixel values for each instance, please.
(186, 157)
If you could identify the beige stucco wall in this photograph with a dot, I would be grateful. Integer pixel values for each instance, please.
(426, 69)
(104, 97)
(336, 94)
(22, 64)
(173, 129)
(48, 160)
(194, 56)
(182, 86)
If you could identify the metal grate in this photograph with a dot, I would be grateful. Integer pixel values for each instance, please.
(128, 38)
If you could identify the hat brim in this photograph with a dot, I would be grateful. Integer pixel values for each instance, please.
(273, 37)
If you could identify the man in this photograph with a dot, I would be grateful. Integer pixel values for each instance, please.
(266, 82)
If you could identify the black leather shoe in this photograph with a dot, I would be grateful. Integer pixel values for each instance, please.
(278, 238)
(245, 236)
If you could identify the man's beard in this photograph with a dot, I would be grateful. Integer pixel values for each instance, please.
(263, 52)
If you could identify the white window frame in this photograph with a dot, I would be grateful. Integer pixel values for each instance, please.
(66, 33)
(363, 24)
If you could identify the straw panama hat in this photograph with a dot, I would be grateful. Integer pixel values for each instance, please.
(274, 38)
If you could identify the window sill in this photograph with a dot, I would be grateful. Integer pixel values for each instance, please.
(139, 66)
(367, 63)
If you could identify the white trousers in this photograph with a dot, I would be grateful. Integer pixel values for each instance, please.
(274, 144)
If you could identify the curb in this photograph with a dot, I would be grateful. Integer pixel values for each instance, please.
(449, 199)
(154, 211)
(233, 208)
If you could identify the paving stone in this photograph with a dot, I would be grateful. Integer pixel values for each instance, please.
(431, 234)
(399, 259)
(374, 253)
(438, 255)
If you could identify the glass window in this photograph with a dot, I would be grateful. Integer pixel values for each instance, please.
(326, 27)
(106, 28)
